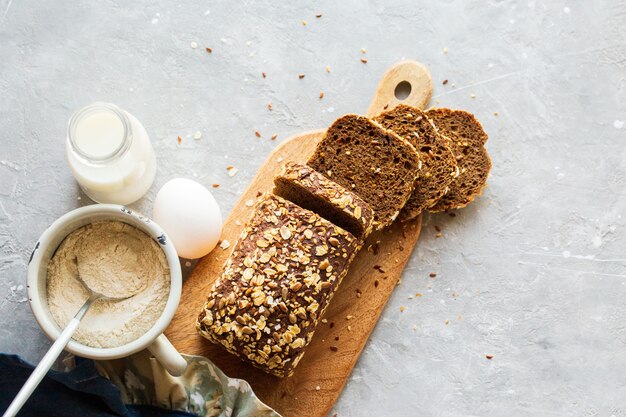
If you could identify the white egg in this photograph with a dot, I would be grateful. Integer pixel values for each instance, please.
(190, 216)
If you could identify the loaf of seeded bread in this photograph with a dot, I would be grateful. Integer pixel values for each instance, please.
(276, 284)
(467, 139)
(439, 166)
(307, 188)
(373, 162)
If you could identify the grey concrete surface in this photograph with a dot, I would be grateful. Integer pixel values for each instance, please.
(531, 273)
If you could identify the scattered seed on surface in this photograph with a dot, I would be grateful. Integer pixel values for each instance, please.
(349, 317)
(197, 135)
(437, 228)
(489, 357)
(445, 50)
(318, 15)
(180, 140)
(224, 244)
(193, 45)
(257, 133)
(402, 308)
(321, 95)
(363, 50)
(363, 60)
(349, 328)
(418, 294)
(328, 69)
(301, 76)
(495, 113)
(334, 348)
(438, 235)
(269, 106)
(386, 107)
(250, 203)
(324, 321)
(432, 275)
(264, 75)
(209, 50)
(317, 388)
(274, 136)
(445, 82)
(376, 283)
(231, 170)
(473, 95)
(215, 185)
(303, 22)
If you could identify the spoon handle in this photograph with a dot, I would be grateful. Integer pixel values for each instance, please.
(46, 362)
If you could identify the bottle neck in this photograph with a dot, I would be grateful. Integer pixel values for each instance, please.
(99, 133)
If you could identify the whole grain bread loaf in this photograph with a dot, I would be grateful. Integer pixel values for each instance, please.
(439, 166)
(309, 189)
(373, 162)
(276, 285)
(467, 138)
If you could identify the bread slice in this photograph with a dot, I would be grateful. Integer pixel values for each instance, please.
(468, 144)
(373, 162)
(309, 189)
(439, 166)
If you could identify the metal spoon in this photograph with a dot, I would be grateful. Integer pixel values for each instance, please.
(55, 350)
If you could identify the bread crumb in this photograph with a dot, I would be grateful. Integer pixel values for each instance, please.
(257, 133)
(209, 50)
(197, 135)
(402, 308)
(215, 185)
(303, 22)
(473, 95)
(328, 69)
(495, 113)
(224, 244)
(446, 322)
(438, 235)
(445, 50)
(301, 76)
(414, 327)
(249, 203)
(231, 170)
(280, 159)
(363, 50)
(193, 45)
(459, 317)
(489, 357)
(238, 222)
(321, 95)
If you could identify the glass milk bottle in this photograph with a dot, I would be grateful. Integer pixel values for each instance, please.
(110, 154)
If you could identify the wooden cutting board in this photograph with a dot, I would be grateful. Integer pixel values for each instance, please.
(337, 344)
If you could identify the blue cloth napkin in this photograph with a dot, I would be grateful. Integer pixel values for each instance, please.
(80, 392)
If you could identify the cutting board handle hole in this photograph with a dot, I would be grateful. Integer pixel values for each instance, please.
(403, 90)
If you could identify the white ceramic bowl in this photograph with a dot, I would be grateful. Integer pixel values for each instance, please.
(153, 339)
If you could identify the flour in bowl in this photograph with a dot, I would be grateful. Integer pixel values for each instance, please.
(116, 260)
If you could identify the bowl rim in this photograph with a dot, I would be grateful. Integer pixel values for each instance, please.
(55, 230)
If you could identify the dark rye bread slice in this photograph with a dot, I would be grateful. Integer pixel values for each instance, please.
(276, 285)
(467, 139)
(311, 190)
(439, 166)
(373, 162)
